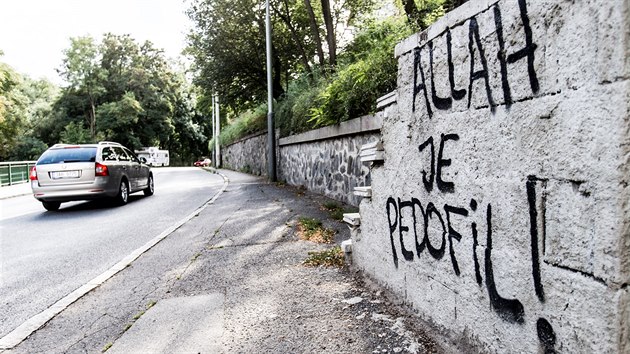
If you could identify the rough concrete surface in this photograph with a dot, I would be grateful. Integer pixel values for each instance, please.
(503, 197)
(243, 252)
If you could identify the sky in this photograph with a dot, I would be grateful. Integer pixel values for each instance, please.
(34, 33)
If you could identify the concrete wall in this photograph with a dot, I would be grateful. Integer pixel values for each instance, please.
(501, 212)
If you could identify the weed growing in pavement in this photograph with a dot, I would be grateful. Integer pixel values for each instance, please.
(312, 230)
(301, 191)
(336, 211)
(134, 319)
(332, 257)
(106, 347)
(138, 315)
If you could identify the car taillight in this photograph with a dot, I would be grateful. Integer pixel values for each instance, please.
(101, 170)
(33, 175)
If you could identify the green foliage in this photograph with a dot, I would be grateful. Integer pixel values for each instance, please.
(250, 122)
(332, 257)
(125, 91)
(27, 148)
(313, 230)
(13, 115)
(113, 119)
(227, 44)
(117, 89)
(335, 210)
(367, 70)
(293, 112)
(76, 133)
(23, 104)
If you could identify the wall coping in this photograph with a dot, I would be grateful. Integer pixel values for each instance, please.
(451, 19)
(354, 126)
(247, 137)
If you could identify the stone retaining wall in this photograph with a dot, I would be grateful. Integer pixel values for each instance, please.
(247, 155)
(324, 160)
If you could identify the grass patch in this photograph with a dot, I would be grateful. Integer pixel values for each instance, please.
(333, 257)
(312, 230)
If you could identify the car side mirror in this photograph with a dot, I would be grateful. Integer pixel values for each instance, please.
(143, 160)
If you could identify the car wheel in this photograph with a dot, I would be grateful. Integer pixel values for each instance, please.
(51, 206)
(150, 188)
(123, 193)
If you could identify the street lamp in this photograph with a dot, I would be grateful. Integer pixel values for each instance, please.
(271, 139)
(217, 123)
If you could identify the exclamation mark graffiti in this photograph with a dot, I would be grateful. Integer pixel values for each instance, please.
(533, 230)
(536, 202)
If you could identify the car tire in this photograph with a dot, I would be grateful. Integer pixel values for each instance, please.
(123, 193)
(150, 187)
(51, 206)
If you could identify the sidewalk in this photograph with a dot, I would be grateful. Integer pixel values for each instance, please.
(232, 280)
(15, 190)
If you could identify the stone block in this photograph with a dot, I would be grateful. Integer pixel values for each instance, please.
(352, 219)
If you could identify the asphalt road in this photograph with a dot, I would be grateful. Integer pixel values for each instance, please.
(46, 255)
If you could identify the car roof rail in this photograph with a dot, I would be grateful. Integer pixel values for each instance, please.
(109, 143)
(59, 145)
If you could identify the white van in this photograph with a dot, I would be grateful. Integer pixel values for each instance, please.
(154, 156)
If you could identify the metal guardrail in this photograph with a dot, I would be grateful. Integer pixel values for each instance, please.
(15, 172)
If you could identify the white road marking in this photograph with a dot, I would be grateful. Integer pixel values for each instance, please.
(31, 325)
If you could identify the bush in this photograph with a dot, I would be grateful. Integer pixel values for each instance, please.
(368, 70)
(250, 122)
(293, 112)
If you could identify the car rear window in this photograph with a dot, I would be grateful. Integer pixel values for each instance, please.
(68, 155)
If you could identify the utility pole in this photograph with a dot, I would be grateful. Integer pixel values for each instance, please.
(217, 123)
(214, 132)
(271, 131)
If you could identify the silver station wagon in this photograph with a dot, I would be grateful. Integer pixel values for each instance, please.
(89, 171)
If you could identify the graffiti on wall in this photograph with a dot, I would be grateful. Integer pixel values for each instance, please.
(478, 66)
(427, 214)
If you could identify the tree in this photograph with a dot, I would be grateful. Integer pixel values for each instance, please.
(117, 119)
(75, 133)
(228, 48)
(28, 148)
(83, 73)
(227, 44)
(13, 109)
(331, 36)
(315, 32)
(130, 92)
